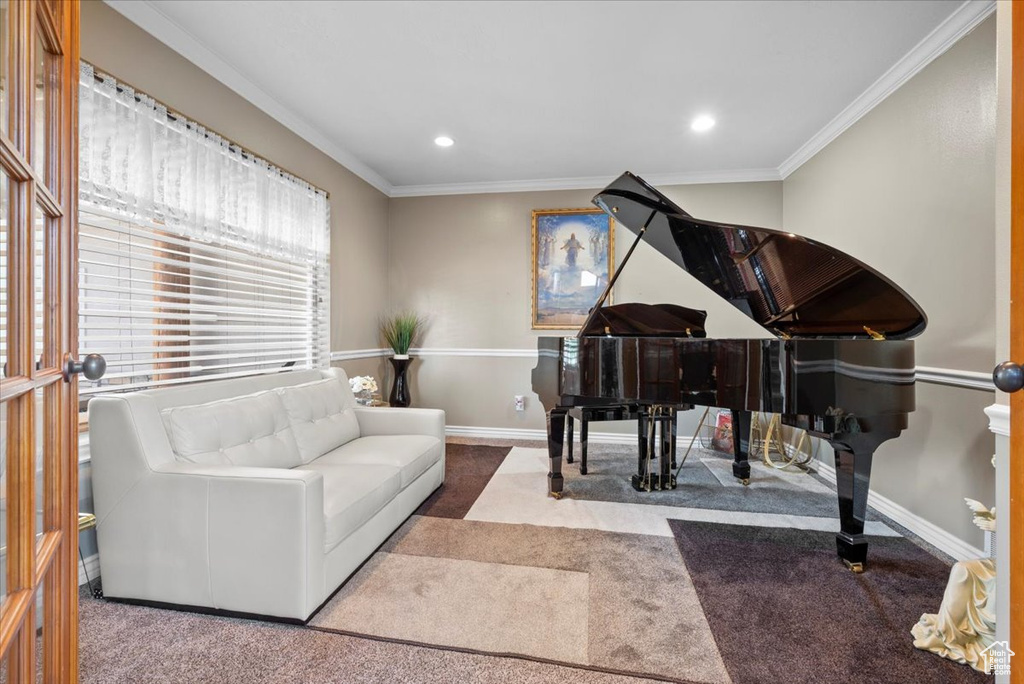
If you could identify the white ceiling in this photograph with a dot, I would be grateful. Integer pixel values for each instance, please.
(560, 94)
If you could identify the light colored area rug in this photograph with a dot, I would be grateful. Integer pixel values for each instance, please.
(605, 501)
(606, 600)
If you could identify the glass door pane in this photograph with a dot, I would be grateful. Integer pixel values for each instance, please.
(45, 94)
(5, 221)
(5, 65)
(38, 286)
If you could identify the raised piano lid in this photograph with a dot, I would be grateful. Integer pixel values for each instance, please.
(791, 285)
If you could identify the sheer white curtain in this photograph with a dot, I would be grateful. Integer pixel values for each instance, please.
(196, 260)
(137, 161)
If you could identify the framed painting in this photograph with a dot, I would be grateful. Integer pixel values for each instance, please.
(573, 257)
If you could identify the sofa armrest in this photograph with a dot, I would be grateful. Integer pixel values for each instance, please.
(400, 421)
(234, 538)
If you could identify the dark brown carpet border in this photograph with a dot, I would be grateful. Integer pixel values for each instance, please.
(468, 469)
(783, 609)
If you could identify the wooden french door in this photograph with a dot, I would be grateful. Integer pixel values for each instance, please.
(38, 329)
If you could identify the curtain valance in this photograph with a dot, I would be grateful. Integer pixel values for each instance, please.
(138, 161)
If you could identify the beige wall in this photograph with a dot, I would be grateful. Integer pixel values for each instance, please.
(359, 212)
(464, 262)
(909, 189)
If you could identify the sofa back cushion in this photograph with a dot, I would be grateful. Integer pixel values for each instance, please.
(322, 415)
(251, 430)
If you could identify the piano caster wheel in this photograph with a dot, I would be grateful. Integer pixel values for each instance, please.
(745, 481)
(856, 568)
(555, 495)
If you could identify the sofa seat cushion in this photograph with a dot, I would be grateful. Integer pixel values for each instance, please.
(251, 430)
(412, 454)
(322, 415)
(352, 495)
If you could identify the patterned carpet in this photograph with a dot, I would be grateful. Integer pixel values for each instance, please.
(712, 582)
(491, 580)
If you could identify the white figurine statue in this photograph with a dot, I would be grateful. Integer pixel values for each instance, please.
(965, 625)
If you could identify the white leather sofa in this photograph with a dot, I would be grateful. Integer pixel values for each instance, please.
(256, 495)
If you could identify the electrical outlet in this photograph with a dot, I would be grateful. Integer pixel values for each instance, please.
(520, 402)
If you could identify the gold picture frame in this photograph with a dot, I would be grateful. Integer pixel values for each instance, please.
(569, 272)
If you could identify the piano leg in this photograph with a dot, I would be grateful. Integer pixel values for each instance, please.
(672, 443)
(556, 438)
(740, 435)
(854, 452)
(668, 448)
(570, 422)
(583, 443)
(641, 428)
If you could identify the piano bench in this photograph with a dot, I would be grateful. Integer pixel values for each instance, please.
(585, 414)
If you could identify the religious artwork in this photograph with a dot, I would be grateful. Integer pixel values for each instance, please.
(573, 257)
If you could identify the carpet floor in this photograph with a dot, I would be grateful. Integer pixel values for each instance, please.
(491, 581)
(124, 644)
(782, 612)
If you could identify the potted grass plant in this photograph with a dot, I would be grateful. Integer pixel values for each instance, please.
(399, 332)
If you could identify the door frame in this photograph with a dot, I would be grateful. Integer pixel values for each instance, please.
(1016, 460)
(40, 160)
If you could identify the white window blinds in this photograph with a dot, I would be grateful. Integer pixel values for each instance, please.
(196, 259)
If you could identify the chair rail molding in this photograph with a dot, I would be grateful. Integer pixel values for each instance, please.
(351, 354)
(953, 377)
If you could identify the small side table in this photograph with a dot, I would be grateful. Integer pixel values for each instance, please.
(87, 521)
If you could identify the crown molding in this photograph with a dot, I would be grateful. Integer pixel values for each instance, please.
(945, 35)
(150, 19)
(584, 183)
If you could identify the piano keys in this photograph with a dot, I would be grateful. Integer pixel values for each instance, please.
(840, 363)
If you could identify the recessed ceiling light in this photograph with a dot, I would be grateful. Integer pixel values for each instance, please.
(702, 123)
(443, 141)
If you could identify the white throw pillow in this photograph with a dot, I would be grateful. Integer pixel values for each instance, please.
(322, 416)
(251, 430)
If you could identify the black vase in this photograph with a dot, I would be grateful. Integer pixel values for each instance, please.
(400, 387)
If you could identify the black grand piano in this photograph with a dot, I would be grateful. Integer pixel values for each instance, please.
(841, 365)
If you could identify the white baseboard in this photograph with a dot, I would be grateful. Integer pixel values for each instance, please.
(931, 533)
(528, 434)
(92, 564)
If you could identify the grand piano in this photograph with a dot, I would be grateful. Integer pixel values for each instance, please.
(840, 365)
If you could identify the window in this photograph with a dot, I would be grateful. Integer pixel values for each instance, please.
(197, 260)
